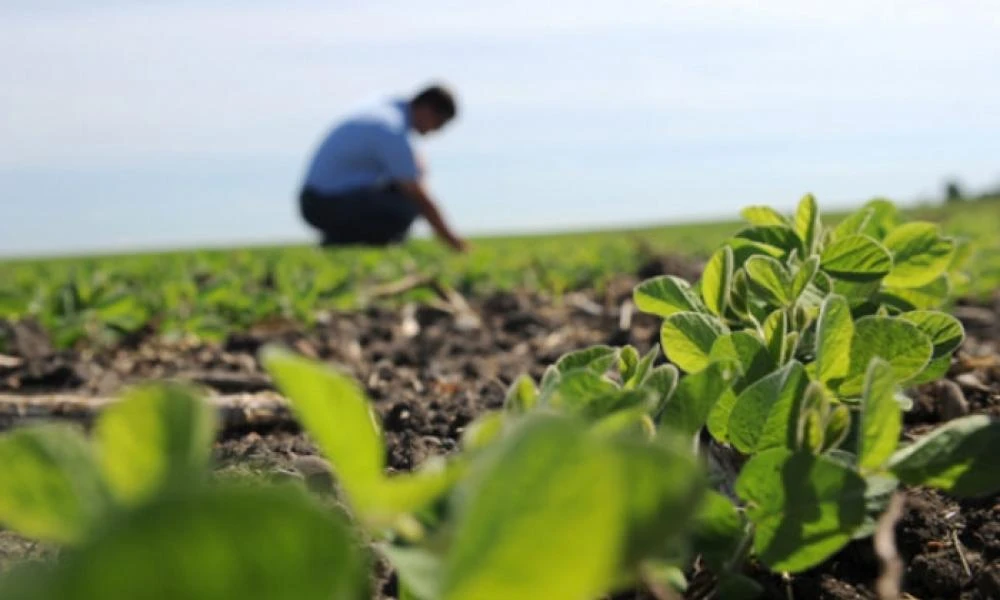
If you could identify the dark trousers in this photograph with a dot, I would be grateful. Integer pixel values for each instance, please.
(377, 216)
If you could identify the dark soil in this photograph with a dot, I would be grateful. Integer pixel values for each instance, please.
(429, 375)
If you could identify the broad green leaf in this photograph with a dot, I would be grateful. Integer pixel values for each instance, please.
(919, 254)
(807, 223)
(718, 528)
(804, 507)
(687, 339)
(882, 219)
(482, 431)
(929, 296)
(834, 332)
(743, 249)
(628, 361)
(838, 425)
(775, 332)
(418, 569)
(157, 435)
(804, 277)
(577, 389)
(666, 295)
(540, 516)
(50, 488)
(781, 237)
(333, 409)
(958, 457)
(662, 381)
(394, 498)
(196, 544)
(763, 215)
(642, 369)
(696, 394)
(663, 485)
(945, 331)
(765, 413)
(852, 224)
(881, 417)
(739, 294)
(521, 396)
(716, 280)
(632, 422)
(898, 342)
(718, 417)
(749, 353)
(935, 369)
(856, 258)
(596, 358)
(770, 279)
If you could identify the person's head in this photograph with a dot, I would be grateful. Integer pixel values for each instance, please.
(431, 109)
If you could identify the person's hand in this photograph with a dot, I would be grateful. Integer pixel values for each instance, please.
(458, 244)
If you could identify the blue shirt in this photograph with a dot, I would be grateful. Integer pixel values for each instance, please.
(367, 149)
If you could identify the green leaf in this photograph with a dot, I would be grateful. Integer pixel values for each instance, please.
(632, 422)
(834, 331)
(780, 237)
(747, 351)
(521, 396)
(540, 516)
(919, 254)
(697, 393)
(770, 279)
(628, 361)
(929, 296)
(945, 331)
(482, 431)
(804, 277)
(838, 426)
(935, 369)
(958, 457)
(763, 215)
(775, 332)
(807, 223)
(898, 342)
(642, 369)
(50, 488)
(804, 507)
(663, 485)
(856, 258)
(595, 358)
(881, 417)
(333, 409)
(718, 529)
(418, 569)
(156, 436)
(739, 294)
(716, 280)
(765, 413)
(196, 545)
(743, 249)
(577, 390)
(662, 381)
(852, 224)
(666, 295)
(687, 339)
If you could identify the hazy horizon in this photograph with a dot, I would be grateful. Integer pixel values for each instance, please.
(190, 124)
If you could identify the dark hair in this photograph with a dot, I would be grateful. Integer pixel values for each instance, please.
(439, 99)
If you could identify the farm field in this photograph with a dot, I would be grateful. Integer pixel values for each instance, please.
(437, 342)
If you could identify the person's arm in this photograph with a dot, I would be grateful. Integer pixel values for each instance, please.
(415, 191)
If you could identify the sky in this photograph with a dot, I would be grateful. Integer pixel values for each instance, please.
(127, 125)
